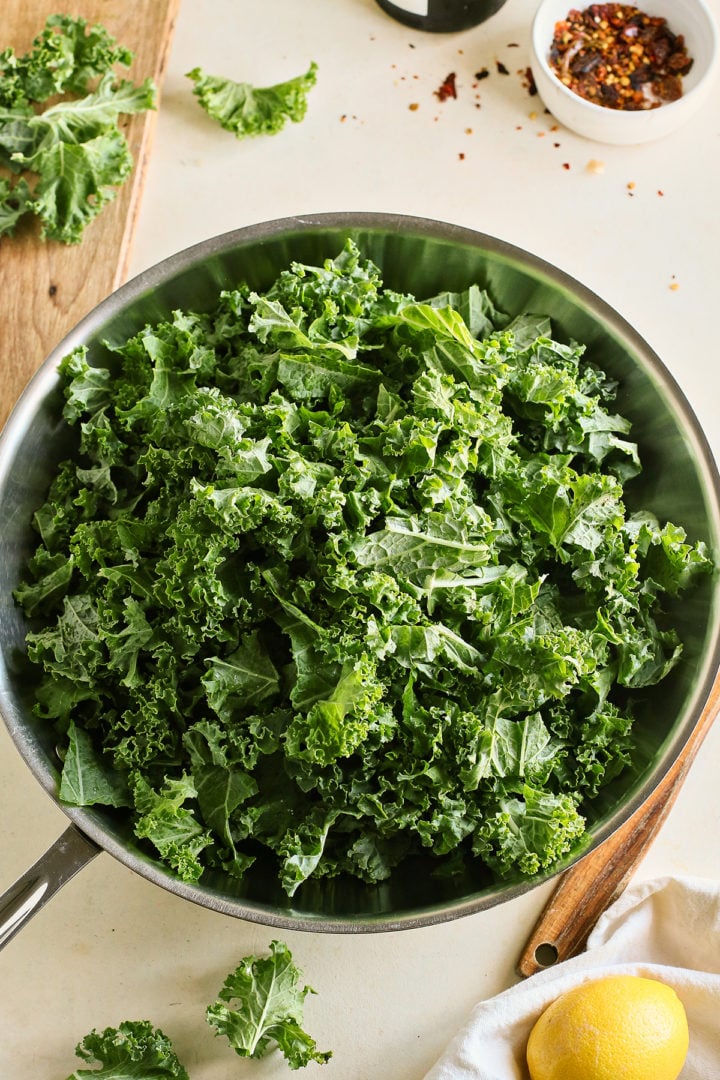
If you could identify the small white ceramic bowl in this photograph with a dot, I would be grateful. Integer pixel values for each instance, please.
(691, 18)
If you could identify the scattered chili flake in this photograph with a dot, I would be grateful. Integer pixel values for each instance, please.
(617, 56)
(343, 118)
(447, 88)
(661, 193)
(528, 81)
(461, 156)
(566, 164)
(501, 69)
(483, 73)
(556, 145)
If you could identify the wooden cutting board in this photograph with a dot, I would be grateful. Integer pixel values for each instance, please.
(47, 287)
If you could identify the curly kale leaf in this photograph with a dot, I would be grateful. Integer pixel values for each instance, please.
(261, 1006)
(246, 110)
(72, 154)
(65, 57)
(15, 200)
(133, 1051)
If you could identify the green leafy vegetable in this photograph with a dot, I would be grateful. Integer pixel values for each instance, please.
(261, 1005)
(333, 581)
(133, 1051)
(71, 153)
(246, 110)
(84, 781)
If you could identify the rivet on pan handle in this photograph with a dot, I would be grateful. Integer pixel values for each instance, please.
(593, 883)
(29, 893)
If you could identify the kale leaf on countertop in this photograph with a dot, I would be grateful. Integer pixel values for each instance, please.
(261, 1006)
(245, 110)
(132, 1051)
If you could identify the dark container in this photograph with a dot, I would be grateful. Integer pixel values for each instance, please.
(441, 16)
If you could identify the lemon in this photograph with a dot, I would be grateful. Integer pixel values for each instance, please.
(619, 1027)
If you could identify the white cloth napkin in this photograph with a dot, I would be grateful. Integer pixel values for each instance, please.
(667, 928)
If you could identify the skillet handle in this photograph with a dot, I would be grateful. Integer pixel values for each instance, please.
(21, 901)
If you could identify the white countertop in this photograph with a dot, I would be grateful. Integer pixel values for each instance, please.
(642, 230)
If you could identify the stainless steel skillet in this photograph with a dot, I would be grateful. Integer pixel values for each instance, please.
(680, 481)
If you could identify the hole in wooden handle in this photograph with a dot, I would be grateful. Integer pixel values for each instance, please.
(546, 954)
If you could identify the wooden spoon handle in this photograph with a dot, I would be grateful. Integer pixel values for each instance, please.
(591, 885)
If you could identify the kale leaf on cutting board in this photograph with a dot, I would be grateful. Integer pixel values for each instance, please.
(344, 576)
(59, 134)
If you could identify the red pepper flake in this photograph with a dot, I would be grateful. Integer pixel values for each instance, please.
(343, 118)
(617, 56)
(501, 69)
(661, 193)
(447, 88)
(483, 73)
(566, 164)
(461, 156)
(528, 81)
